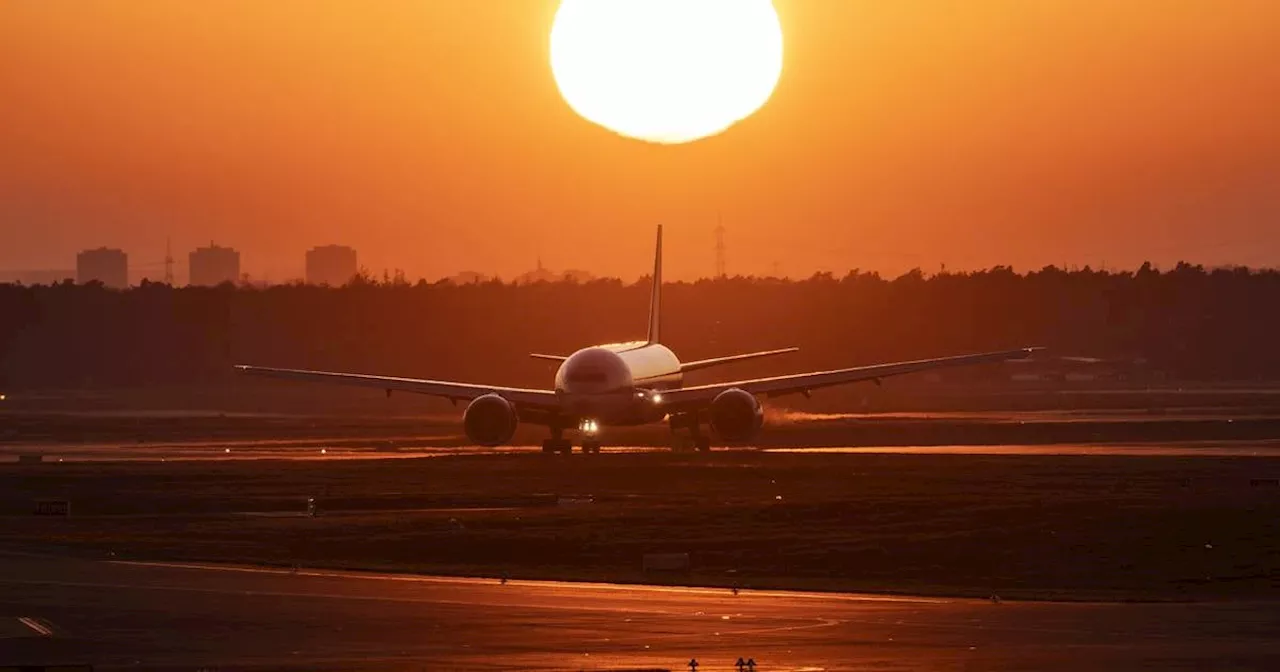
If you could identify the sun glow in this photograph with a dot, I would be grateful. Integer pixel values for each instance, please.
(667, 71)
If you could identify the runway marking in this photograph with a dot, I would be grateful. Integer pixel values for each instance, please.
(40, 628)
(464, 580)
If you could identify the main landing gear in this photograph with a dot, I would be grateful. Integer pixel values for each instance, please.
(558, 444)
(552, 446)
(696, 439)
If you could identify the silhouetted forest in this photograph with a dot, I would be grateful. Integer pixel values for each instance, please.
(1189, 323)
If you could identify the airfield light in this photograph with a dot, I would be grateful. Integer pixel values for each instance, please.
(656, 398)
(324, 451)
(3, 397)
(226, 450)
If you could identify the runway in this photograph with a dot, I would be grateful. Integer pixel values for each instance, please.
(118, 615)
(255, 451)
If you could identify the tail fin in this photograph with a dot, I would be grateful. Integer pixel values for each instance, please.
(655, 297)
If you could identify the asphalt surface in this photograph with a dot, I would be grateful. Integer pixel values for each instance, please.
(118, 615)
(320, 450)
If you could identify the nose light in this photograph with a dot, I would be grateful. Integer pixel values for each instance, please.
(588, 426)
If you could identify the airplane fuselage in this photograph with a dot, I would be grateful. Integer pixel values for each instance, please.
(620, 383)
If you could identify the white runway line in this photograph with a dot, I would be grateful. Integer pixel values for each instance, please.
(39, 628)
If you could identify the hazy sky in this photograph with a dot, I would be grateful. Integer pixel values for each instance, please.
(429, 134)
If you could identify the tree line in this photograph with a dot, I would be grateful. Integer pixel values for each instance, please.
(1189, 322)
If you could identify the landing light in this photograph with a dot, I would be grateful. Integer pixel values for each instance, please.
(656, 398)
(589, 426)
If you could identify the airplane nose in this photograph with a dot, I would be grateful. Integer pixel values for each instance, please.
(593, 371)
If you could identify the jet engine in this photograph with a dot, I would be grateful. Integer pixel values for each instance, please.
(490, 420)
(736, 415)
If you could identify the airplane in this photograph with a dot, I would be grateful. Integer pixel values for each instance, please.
(627, 384)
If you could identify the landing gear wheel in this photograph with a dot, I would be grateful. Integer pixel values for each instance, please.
(553, 446)
(703, 443)
(590, 447)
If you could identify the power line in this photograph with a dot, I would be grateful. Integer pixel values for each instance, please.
(168, 261)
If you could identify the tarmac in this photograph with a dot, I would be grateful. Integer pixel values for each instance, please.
(320, 449)
(162, 616)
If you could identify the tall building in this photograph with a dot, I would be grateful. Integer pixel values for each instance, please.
(106, 265)
(332, 265)
(213, 265)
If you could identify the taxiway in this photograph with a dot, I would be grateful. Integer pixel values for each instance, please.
(139, 616)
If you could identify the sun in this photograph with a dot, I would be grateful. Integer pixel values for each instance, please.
(667, 71)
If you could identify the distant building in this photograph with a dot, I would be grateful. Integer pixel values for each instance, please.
(543, 274)
(106, 265)
(538, 274)
(36, 277)
(213, 265)
(468, 278)
(332, 265)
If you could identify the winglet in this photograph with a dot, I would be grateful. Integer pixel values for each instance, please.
(655, 297)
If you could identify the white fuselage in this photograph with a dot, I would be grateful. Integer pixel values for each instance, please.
(618, 384)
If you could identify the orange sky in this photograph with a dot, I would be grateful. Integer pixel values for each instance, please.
(429, 135)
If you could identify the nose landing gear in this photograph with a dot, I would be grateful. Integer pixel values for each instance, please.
(589, 428)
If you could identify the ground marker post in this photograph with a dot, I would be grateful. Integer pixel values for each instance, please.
(693, 665)
(751, 665)
(741, 664)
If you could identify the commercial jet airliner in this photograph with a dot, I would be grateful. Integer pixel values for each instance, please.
(624, 384)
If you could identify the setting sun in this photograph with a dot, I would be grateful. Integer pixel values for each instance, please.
(668, 71)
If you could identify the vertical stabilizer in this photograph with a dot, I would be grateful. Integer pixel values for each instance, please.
(655, 297)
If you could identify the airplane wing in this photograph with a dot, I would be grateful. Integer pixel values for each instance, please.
(536, 400)
(550, 358)
(706, 363)
(690, 398)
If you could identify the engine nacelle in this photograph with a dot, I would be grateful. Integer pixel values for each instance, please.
(736, 415)
(490, 420)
